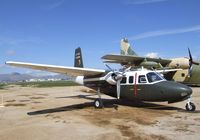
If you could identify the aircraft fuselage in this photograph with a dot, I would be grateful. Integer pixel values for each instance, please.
(138, 85)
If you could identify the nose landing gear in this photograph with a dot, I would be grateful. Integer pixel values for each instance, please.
(190, 106)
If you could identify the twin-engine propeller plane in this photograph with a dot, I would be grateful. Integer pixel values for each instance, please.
(129, 58)
(140, 84)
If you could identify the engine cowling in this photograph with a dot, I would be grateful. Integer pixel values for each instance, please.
(182, 63)
(112, 78)
(149, 64)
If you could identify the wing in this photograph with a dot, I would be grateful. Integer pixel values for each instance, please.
(72, 71)
(114, 58)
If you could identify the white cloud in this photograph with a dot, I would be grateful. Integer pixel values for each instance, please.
(11, 52)
(54, 5)
(143, 1)
(15, 41)
(165, 32)
(152, 55)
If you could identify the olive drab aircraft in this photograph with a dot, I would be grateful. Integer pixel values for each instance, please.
(184, 70)
(128, 83)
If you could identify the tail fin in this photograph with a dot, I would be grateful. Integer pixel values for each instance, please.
(126, 48)
(78, 61)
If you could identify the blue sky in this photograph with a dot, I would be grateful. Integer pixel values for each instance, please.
(48, 31)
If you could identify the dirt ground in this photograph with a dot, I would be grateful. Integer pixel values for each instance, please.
(68, 113)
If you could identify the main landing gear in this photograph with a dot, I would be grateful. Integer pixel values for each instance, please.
(98, 103)
(189, 105)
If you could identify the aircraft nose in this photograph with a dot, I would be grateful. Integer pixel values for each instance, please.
(185, 91)
(181, 90)
(175, 91)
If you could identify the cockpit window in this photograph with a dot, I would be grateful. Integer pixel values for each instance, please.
(142, 79)
(153, 77)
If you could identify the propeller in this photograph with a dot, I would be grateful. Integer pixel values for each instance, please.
(118, 89)
(117, 76)
(191, 62)
(109, 67)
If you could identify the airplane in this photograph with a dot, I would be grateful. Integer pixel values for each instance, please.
(181, 76)
(139, 84)
(184, 70)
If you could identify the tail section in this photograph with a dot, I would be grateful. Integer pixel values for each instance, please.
(126, 48)
(78, 61)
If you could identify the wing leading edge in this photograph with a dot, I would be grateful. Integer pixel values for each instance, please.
(115, 58)
(71, 71)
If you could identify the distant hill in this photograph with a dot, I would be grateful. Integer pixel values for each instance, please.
(17, 77)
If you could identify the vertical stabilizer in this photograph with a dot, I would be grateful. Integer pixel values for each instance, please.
(126, 47)
(78, 61)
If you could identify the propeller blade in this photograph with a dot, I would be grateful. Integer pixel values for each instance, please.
(190, 55)
(109, 67)
(191, 59)
(117, 76)
(195, 63)
(118, 89)
(190, 72)
(191, 62)
(127, 69)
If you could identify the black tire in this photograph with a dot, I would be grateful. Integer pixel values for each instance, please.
(190, 107)
(98, 103)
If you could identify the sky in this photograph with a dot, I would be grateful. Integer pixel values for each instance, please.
(48, 31)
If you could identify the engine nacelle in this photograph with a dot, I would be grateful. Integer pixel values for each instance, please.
(149, 64)
(110, 78)
(79, 80)
(179, 63)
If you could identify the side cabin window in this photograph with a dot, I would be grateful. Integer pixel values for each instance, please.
(131, 79)
(142, 79)
(123, 81)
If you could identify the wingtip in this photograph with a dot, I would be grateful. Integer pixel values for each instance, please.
(7, 62)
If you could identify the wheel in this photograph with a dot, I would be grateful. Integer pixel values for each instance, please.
(98, 103)
(190, 106)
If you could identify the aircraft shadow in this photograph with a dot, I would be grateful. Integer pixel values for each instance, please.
(108, 103)
(61, 109)
(136, 103)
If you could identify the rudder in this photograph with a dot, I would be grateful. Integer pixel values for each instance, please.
(126, 48)
(78, 61)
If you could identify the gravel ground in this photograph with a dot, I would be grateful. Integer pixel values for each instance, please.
(68, 113)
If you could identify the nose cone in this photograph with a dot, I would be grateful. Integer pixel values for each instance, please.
(185, 90)
(175, 92)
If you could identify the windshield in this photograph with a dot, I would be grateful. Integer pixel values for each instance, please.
(153, 77)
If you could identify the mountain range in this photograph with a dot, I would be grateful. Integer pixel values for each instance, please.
(17, 77)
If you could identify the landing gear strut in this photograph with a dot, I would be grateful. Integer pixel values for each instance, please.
(190, 106)
(98, 103)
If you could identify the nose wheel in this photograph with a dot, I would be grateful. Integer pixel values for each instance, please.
(190, 106)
